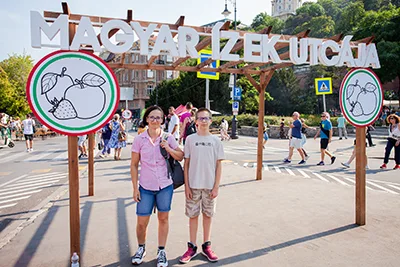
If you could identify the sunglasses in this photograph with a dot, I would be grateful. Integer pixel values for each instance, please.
(323, 116)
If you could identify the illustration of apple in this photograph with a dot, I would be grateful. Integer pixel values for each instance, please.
(54, 84)
(87, 96)
(368, 100)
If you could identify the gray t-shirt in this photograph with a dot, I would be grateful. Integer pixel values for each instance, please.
(203, 151)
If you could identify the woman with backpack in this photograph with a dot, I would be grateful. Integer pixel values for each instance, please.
(118, 136)
(189, 125)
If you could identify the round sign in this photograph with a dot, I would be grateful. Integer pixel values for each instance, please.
(127, 114)
(73, 93)
(361, 97)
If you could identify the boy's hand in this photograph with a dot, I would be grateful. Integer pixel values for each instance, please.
(214, 192)
(188, 193)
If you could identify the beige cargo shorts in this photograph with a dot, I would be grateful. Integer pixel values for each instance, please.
(201, 198)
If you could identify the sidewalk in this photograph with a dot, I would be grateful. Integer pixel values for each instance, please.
(279, 221)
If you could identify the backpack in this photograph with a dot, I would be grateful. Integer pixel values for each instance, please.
(174, 168)
(190, 128)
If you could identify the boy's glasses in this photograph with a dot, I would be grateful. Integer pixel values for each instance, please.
(204, 119)
(152, 118)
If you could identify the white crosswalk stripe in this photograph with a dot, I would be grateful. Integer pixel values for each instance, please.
(277, 169)
(45, 178)
(13, 157)
(320, 177)
(337, 179)
(8, 206)
(38, 156)
(34, 182)
(14, 199)
(290, 171)
(21, 194)
(393, 186)
(62, 156)
(382, 188)
(305, 175)
(266, 168)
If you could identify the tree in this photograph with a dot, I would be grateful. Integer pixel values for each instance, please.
(263, 20)
(350, 18)
(14, 73)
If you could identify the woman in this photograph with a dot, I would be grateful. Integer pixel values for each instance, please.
(224, 130)
(393, 141)
(155, 187)
(304, 126)
(115, 141)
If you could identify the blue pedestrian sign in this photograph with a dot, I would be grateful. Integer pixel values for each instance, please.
(237, 94)
(235, 106)
(323, 86)
(203, 56)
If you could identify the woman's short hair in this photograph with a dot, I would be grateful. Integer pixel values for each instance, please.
(149, 110)
(116, 116)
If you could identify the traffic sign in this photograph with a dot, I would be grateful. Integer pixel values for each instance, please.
(237, 94)
(323, 86)
(235, 106)
(72, 93)
(126, 114)
(361, 97)
(203, 56)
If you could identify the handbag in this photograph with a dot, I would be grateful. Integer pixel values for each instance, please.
(175, 170)
(121, 136)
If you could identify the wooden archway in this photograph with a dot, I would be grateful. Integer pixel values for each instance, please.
(265, 72)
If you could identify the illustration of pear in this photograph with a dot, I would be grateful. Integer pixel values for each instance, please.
(86, 96)
(54, 84)
(352, 93)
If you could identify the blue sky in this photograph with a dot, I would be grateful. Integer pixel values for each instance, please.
(15, 16)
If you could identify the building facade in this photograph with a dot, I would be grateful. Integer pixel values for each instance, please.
(284, 8)
(140, 83)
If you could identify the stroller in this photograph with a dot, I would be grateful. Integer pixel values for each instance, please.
(7, 140)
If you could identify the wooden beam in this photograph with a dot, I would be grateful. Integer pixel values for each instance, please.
(204, 63)
(230, 64)
(253, 82)
(65, 8)
(136, 66)
(254, 65)
(91, 165)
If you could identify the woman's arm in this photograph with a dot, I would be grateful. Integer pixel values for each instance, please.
(177, 153)
(122, 126)
(134, 175)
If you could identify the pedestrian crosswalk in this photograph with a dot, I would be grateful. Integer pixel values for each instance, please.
(24, 186)
(384, 186)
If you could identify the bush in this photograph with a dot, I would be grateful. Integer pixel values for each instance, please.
(252, 120)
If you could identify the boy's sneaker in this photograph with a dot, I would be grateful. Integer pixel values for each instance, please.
(208, 253)
(162, 258)
(383, 166)
(287, 161)
(139, 256)
(321, 163)
(396, 167)
(345, 164)
(333, 159)
(189, 254)
(302, 162)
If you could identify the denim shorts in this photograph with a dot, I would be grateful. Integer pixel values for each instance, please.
(161, 198)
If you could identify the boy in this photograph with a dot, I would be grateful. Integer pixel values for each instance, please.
(203, 155)
(325, 132)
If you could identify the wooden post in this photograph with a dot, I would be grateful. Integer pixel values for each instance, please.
(265, 78)
(261, 98)
(91, 164)
(73, 173)
(360, 175)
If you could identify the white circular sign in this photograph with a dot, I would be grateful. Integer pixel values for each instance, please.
(127, 114)
(361, 97)
(73, 93)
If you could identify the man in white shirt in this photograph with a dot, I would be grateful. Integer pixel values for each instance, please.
(28, 125)
(173, 125)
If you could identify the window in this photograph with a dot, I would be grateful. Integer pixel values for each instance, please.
(170, 74)
(150, 74)
(149, 89)
(136, 92)
(126, 59)
(133, 58)
(290, 7)
(169, 58)
(133, 74)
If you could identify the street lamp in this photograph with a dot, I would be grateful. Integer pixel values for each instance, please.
(226, 13)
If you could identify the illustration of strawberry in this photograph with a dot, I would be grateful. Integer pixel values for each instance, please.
(63, 110)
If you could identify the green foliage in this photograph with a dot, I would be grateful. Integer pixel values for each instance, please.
(263, 20)
(14, 73)
(351, 16)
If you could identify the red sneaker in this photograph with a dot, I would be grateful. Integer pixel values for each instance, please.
(383, 166)
(189, 254)
(210, 255)
(396, 167)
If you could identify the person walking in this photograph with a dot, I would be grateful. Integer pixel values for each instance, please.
(265, 134)
(204, 153)
(295, 142)
(304, 126)
(117, 132)
(173, 125)
(368, 135)
(184, 120)
(154, 187)
(352, 157)
(282, 129)
(224, 130)
(342, 127)
(82, 146)
(393, 141)
(325, 132)
(105, 136)
(28, 127)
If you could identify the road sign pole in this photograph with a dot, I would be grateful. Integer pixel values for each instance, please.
(234, 120)
(360, 175)
(324, 100)
(208, 93)
(126, 104)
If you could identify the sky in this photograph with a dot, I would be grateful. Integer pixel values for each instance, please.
(15, 16)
